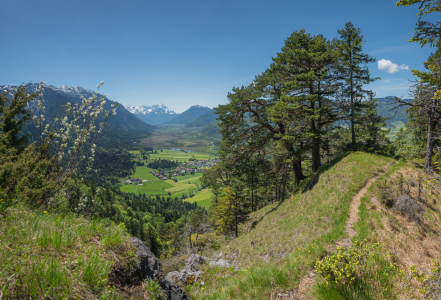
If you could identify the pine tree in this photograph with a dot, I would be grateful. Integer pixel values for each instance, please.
(370, 128)
(354, 71)
(309, 69)
(13, 116)
(230, 212)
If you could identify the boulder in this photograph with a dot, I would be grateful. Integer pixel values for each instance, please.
(217, 261)
(190, 273)
(148, 266)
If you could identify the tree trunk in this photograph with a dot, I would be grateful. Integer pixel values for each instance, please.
(429, 148)
(296, 164)
(252, 199)
(284, 184)
(316, 154)
(298, 173)
(237, 221)
(352, 102)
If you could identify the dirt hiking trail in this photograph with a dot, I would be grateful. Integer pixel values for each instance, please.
(308, 280)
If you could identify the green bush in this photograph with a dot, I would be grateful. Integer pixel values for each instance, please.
(154, 290)
(347, 264)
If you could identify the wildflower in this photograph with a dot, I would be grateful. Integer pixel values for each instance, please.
(45, 212)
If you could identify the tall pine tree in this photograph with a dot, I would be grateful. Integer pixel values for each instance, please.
(354, 71)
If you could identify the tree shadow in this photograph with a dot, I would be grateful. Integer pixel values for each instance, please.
(314, 178)
(306, 185)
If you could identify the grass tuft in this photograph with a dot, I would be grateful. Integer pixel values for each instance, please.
(46, 255)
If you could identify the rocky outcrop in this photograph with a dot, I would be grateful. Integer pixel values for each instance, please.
(149, 266)
(190, 273)
(217, 261)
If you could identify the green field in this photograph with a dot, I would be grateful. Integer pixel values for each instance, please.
(179, 188)
(180, 137)
(395, 128)
(203, 156)
(154, 187)
(144, 173)
(171, 155)
(189, 176)
(205, 203)
(203, 198)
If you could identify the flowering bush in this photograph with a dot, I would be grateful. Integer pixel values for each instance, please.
(39, 173)
(344, 266)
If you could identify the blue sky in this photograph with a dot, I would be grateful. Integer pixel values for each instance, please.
(182, 53)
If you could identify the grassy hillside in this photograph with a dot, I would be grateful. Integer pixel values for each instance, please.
(281, 242)
(396, 245)
(53, 256)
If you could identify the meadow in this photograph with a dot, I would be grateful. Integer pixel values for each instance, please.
(180, 137)
(144, 173)
(155, 186)
(171, 155)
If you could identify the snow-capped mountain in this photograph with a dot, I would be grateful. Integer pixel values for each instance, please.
(155, 114)
(55, 100)
(154, 109)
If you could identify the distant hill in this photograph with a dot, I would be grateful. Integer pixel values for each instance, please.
(203, 120)
(212, 130)
(384, 110)
(190, 115)
(124, 127)
(155, 114)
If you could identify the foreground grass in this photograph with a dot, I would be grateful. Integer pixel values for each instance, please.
(51, 256)
(282, 242)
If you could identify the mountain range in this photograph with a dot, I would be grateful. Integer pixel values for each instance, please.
(155, 114)
(124, 127)
(189, 115)
(384, 109)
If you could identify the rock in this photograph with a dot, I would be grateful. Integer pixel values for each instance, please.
(148, 266)
(190, 273)
(217, 261)
(193, 263)
(173, 277)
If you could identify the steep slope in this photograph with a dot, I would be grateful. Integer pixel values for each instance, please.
(203, 120)
(392, 234)
(189, 115)
(281, 243)
(155, 114)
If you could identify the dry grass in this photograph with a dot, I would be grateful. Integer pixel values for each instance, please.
(407, 224)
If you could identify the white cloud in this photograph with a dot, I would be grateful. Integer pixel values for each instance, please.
(390, 67)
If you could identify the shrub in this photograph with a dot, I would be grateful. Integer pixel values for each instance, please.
(154, 290)
(347, 264)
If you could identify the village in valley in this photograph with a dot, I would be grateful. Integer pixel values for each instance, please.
(190, 167)
(173, 173)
